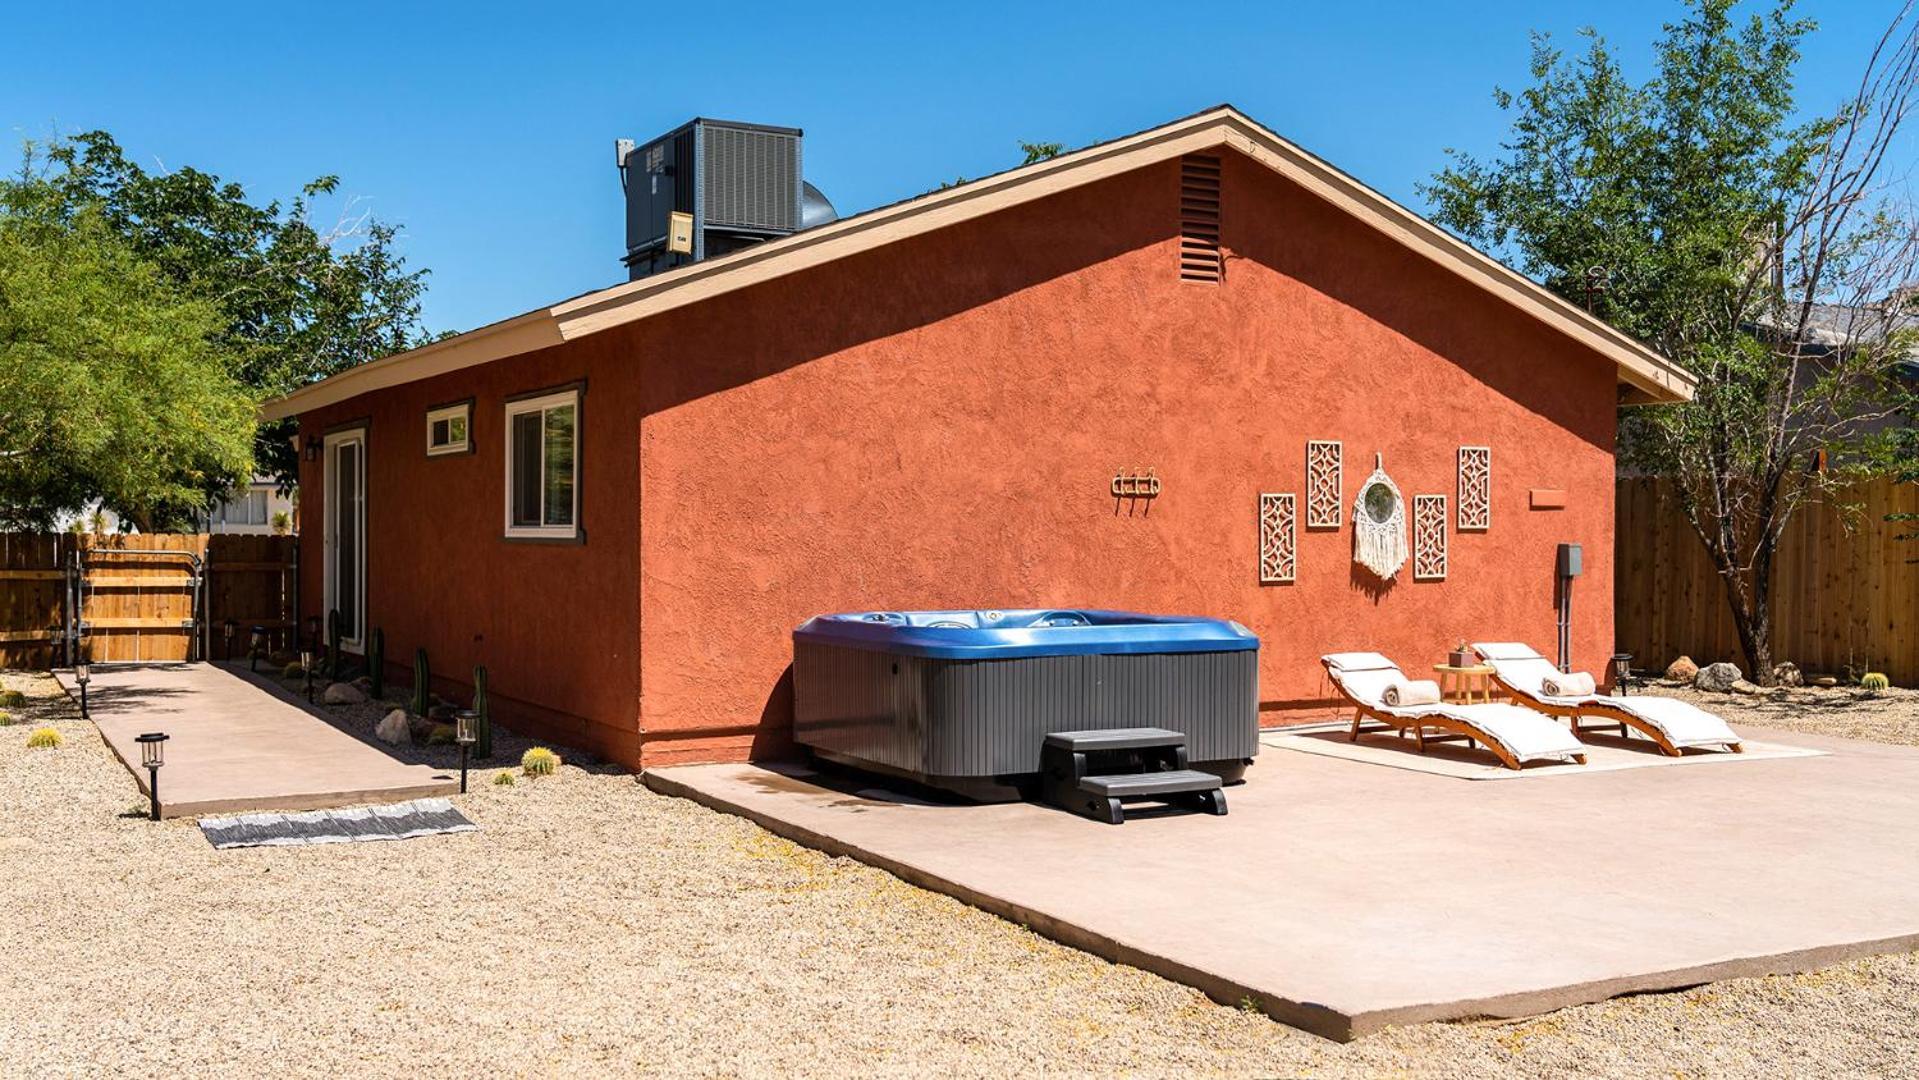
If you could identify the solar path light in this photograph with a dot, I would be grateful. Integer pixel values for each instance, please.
(464, 724)
(256, 640)
(1621, 671)
(227, 630)
(306, 669)
(153, 754)
(83, 674)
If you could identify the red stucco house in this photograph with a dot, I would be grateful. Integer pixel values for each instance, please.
(622, 504)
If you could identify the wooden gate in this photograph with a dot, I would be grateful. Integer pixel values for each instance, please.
(144, 597)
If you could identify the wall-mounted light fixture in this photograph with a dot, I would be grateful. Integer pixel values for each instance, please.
(313, 448)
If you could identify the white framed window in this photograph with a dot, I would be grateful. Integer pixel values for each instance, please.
(542, 467)
(446, 429)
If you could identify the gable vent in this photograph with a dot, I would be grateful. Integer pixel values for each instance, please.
(1199, 218)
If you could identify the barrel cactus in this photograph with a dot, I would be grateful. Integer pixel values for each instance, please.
(482, 722)
(422, 684)
(1874, 681)
(502, 779)
(376, 662)
(46, 739)
(539, 761)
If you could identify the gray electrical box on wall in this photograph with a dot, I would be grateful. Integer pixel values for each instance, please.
(722, 185)
(1570, 561)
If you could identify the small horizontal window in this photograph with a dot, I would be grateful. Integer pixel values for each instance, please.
(542, 443)
(446, 430)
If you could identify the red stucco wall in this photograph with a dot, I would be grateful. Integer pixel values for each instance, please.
(935, 424)
(556, 625)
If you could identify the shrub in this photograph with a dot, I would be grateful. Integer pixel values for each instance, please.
(441, 735)
(503, 779)
(43, 739)
(12, 699)
(539, 761)
(1874, 681)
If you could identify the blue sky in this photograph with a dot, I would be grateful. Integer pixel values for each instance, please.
(486, 131)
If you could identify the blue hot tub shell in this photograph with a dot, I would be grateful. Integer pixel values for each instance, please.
(963, 700)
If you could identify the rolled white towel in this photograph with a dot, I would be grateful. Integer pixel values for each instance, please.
(1572, 684)
(1411, 692)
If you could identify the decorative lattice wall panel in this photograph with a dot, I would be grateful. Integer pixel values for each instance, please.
(1278, 541)
(1429, 537)
(1325, 485)
(1475, 487)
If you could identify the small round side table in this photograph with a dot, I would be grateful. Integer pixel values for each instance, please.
(1465, 685)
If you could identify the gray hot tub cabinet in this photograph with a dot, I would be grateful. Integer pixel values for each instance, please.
(964, 701)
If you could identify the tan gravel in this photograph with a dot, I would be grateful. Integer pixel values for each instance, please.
(595, 928)
(1847, 712)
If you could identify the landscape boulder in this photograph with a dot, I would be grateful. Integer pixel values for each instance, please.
(421, 726)
(1741, 686)
(393, 729)
(1826, 682)
(341, 693)
(1683, 670)
(1786, 673)
(1717, 678)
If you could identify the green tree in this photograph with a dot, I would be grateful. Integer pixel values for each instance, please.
(1727, 234)
(1040, 151)
(112, 383)
(296, 301)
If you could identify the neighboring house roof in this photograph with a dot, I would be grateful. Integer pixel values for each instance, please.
(1648, 376)
(1846, 326)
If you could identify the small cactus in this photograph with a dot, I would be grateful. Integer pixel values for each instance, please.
(422, 684)
(482, 722)
(539, 761)
(333, 636)
(376, 663)
(441, 735)
(46, 739)
(292, 671)
(6, 718)
(502, 779)
(1874, 681)
(12, 699)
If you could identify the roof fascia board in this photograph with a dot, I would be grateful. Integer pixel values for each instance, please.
(511, 337)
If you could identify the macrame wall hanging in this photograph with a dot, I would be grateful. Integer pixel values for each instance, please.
(1379, 523)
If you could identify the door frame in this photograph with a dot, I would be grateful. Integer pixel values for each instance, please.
(329, 534)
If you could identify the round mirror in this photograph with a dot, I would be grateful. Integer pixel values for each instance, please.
(1380, 502)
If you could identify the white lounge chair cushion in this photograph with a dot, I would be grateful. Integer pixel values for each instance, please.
(1360, 661)
(1406, 692)
(1682, 723)
(1505, 650)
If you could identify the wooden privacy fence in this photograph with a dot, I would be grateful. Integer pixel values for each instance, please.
(140, 597)
(1845, 590)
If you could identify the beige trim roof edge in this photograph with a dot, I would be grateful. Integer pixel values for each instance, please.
(1651, 376)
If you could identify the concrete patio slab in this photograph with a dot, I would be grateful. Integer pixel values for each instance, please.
(236, 744)
(1342, 897)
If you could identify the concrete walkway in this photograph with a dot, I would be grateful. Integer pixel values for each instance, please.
(1343, 896)
(236, 745)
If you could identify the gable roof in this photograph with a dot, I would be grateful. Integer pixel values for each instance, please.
(1647, 376)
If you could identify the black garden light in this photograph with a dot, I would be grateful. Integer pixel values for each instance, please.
(313, 632)
(256, 640)
(227, 630)
(83, 674)
(465, 723)
(1621, 671)
(153, 754)
(306, 669)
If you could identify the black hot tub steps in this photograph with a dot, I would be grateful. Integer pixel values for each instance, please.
(1092, 772)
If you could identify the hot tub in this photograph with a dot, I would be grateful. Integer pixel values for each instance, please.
(964, 700)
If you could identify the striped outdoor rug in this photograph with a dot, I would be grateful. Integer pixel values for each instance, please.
(401, 821)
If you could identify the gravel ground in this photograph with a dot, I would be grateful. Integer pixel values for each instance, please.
(595, 928)
(1890, 716)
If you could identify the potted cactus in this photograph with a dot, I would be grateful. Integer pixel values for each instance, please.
(1462, 656)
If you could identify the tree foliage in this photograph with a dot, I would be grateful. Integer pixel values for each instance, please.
(1765, 254)
(113, 384)
(295, 302)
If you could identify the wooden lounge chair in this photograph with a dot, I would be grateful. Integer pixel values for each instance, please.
(1511, 734)
(1674, 726)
